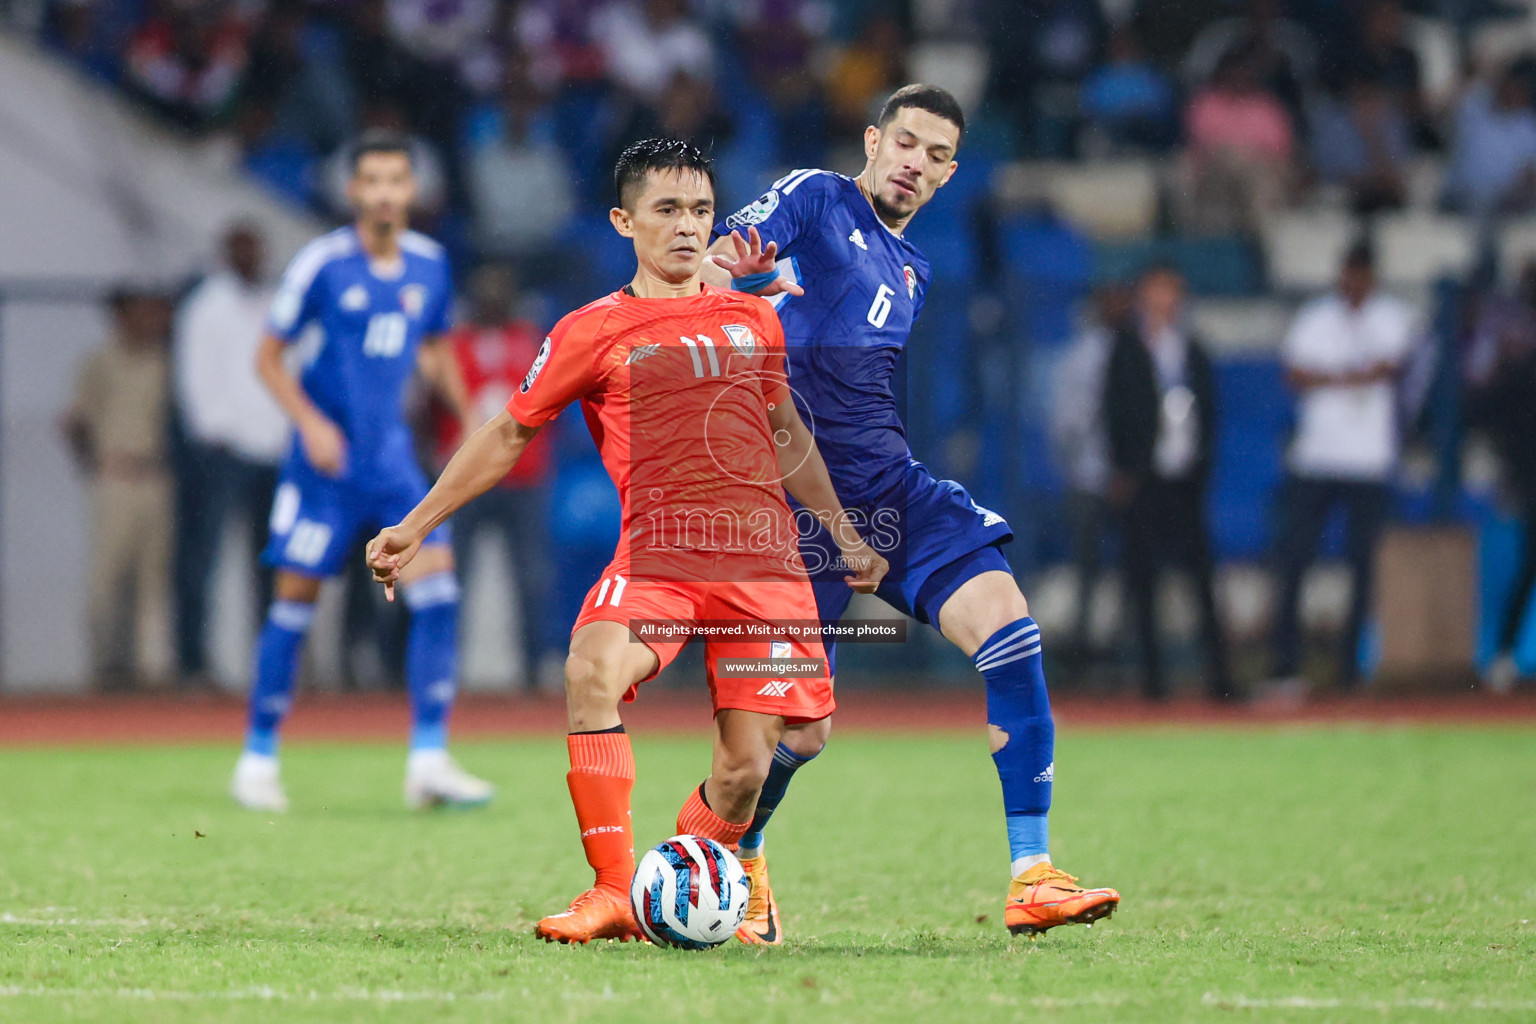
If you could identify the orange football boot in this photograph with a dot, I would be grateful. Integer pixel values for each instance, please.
(1044, 897)
(761, 925)
(595, 914)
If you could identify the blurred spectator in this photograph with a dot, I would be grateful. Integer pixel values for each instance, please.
(116, 428)
(1160, 420)
(1500, 371)
(647, 42)
(778, 40)
(1280, 54)
(495, 350)
(294, 71)
(520, 183)
(386, 76)
(235, 436)
(688, 109)
(557, 36)
(1238, 165)
(1165, 29)
(1342, 356)
(84, 33)
(187, 60)
(1493, 155)
(440, 31)
(1129, 100)
(1378, 51)
(426, 165)
(1042, 50)
(1361, 140)
(1081, 447)
(864, 74)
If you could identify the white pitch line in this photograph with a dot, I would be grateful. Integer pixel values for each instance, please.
(1379, 1005)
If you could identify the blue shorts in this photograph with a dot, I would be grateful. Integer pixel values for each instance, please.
(931, 531)
(316, 520)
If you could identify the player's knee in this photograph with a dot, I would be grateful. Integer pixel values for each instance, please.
(809, 739)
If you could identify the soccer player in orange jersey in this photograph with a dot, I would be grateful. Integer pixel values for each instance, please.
(683, 388)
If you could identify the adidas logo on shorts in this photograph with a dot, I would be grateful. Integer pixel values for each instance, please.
(776, 688)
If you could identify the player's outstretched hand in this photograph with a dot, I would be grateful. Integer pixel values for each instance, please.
(324, 445)
(388, 553)
(752, 257)
(869, 568)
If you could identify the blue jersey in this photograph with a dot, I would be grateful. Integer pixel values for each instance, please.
(368, 327)
(864, 287)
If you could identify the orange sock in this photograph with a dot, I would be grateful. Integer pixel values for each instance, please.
(601, 777)
(696, 819)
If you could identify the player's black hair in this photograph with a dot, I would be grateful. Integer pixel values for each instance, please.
(647, 155)
(378, 140)
(924, 97)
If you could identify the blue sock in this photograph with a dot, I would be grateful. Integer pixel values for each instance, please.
(1019, 706)
(431, 657)
(785, 763)
(277, 663)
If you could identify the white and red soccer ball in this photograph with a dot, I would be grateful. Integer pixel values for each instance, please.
(689, 892)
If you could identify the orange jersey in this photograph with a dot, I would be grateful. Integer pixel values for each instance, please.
(676, 393)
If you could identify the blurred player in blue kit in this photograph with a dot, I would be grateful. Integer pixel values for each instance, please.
(366, 306)
(829, 252)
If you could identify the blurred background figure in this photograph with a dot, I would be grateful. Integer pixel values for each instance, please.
(1493, 154)
(116, 428)
(234, 436)
(1160, 420)
(1343, 357)
(1238, 166)
(1080, 443)
(494, 350)
(1362, 141)
(1500, 374)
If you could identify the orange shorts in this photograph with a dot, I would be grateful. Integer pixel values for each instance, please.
(618, 597)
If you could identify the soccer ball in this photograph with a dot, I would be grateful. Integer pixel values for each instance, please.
(689, 892)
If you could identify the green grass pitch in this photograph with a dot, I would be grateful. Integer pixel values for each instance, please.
(1317, 874)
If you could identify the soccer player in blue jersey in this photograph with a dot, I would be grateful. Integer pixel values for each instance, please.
(848, 286)
(366, 306)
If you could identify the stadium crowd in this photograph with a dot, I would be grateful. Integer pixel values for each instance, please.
(1259, 101)
(516, 110)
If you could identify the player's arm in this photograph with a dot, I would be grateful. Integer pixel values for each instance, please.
(436, 362)
(807, 481)
(482, 462)
(324, 443)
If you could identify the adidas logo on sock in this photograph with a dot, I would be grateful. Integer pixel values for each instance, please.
(1049, 775)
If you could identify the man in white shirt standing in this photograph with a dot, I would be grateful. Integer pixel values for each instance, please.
(1343, 357)
(235, 435)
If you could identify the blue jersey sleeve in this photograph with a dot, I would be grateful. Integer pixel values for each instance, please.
(297, 302)
(439, 315)
(787, 211)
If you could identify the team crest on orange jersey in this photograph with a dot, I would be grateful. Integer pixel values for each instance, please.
(538, 364)
(742, 338)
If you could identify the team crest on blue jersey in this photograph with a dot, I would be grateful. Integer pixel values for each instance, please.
(354, 299)
(742, 338)
(911, 276)
(754, 213)
(538, 364)
(413, 299)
